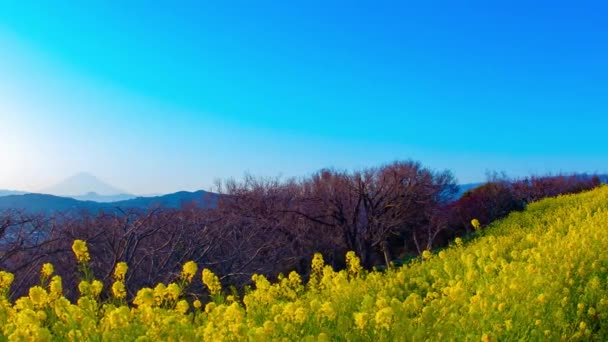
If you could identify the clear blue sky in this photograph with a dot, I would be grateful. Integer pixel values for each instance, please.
(158, 97)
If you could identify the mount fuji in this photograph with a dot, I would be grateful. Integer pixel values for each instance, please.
(86, 187)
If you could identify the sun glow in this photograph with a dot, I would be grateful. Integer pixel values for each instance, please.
(13, 153)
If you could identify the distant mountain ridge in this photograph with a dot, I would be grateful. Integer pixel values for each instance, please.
(83, 191)
(46, 204)
(94, 202)
(462, 188)
(95, 197)
(200, 198)
(11, 192)
(49, 204)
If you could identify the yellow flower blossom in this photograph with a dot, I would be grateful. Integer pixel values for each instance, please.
(318, 264)
(361, 320)
(144, 296)
(81, 251)
(6, 279)
(538, 274)
(294, 279)
(458, 242)
(159, 293)
(327, 311)
(475, 223)
(189, 271)
(84, 287)
(120, 271)
(173, 291)
(47, 270)
(353, 263)
(96, 287)
(182, 306)
(56, 287)
(212, 282)
(118, 290)
(384, 318)
(210, 307)
(38, 296)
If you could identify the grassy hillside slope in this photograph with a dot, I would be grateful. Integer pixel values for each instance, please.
(537, 274)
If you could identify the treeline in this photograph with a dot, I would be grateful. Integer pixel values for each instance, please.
(268, 226)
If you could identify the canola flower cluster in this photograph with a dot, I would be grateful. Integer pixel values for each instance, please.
(541, 274)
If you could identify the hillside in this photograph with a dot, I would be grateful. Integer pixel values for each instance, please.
(11, 192)
(537, 274)
(46, 204)
(199, 198)
(49, 204)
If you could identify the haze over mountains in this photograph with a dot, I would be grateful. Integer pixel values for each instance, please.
(86, 187)
(11, 192)
(84, 191)
(49, 204)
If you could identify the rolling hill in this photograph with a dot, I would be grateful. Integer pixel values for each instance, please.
(48, 204)
(535, 275)
(11, 192)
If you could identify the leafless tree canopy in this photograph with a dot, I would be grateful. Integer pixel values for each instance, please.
(269, 226)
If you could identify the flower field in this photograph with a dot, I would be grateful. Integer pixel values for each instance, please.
(541, 274)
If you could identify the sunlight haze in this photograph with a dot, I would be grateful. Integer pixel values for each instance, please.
(161, 98)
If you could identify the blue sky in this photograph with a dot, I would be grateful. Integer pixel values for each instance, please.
(164, 97)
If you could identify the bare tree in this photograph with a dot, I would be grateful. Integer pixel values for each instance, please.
(368, 209)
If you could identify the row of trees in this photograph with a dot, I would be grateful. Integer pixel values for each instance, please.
(500, 196)
(270, 226)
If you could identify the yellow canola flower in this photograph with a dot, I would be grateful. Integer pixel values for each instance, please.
(360, 320)
(47, 270)
(81, 251)
(384, 318)
(120, 271)
(159, 293)
(353, 263)
(118, 318)
(96, 287)
(6, 279)
(546, 281)
(56, 287)
(212, 282)
(182, 306)
(189, 271)
(38, 296)
(144, 296)
(210, 307)
(300, 315)
(294, 279)
(84, 287)
(458, 242)
(318, 264)
(327, 311)
(118, 290)
(475, 223)
(173, 291)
